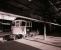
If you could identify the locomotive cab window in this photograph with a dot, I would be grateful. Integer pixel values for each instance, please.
(17, 23)
(23, 24)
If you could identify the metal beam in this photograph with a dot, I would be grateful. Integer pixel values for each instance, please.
(53, 5)
(18, 5)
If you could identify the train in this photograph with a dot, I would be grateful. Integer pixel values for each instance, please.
(19, 29)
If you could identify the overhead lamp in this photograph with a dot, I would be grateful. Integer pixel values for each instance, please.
(29, 0)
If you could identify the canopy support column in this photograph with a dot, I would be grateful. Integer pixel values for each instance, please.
(44, 32)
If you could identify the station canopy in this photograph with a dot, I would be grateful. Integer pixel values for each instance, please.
(46, 10)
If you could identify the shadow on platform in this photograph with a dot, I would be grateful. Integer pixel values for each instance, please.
(13, 45)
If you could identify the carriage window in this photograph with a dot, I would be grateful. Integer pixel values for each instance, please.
(29, 24)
